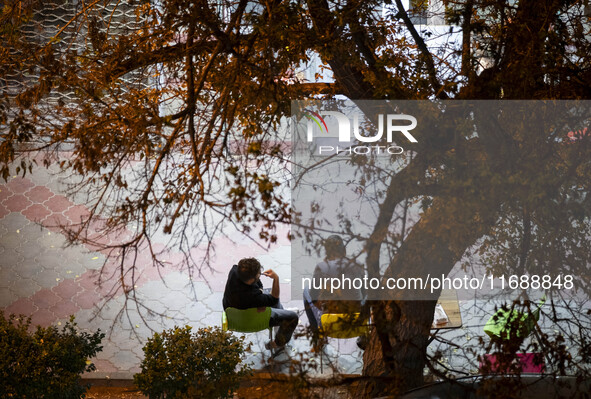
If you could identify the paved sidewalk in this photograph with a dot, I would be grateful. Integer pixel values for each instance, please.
(42, 278)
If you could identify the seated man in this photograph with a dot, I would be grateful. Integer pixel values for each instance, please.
(343, 301)
(244, 290)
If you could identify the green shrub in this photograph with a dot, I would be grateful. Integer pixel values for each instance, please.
(181, 364)
(46, 363)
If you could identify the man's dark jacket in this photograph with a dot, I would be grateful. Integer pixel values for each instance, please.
(243, 296)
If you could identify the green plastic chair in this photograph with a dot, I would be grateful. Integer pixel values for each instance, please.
(247, 320)
(508, 324)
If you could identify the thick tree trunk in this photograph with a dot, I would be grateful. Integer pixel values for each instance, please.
(408, 324)
(410, 336)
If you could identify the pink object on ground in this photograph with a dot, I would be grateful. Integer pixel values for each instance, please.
(530, 363)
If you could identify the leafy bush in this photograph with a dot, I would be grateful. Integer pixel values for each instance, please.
(181, 364)
(46, 363)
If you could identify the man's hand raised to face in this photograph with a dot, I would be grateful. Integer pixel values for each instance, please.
(275, 289)
(270, 273)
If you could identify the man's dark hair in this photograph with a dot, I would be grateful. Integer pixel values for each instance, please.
(248, 268)
(335, 247)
